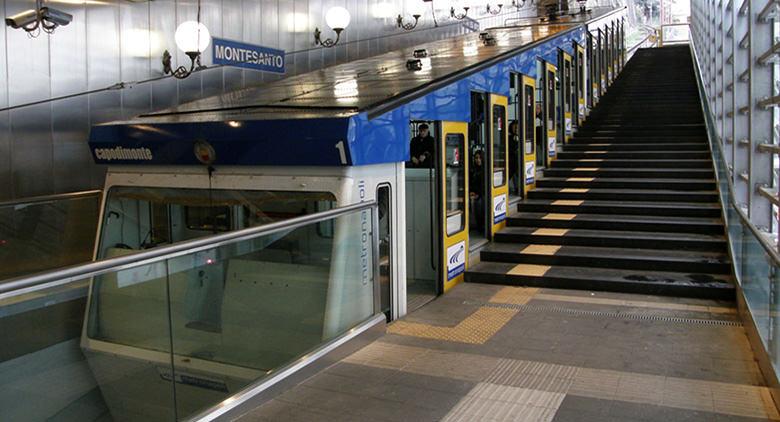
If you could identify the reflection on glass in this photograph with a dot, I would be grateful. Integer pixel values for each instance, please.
(528, 107)
(455, 182)
(499, 145)
(226, 316)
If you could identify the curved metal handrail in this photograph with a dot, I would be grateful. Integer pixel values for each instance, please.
(50, 198)
(48, 279)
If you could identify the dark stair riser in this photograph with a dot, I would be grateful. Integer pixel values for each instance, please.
(692, 185)
(634, 174)
(659, 289)
(650, 155)
(620, 225)
(624, 210)
(649, 242)
(627, 196)
(622, 263)
(625, 163)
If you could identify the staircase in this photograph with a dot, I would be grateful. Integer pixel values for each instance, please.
(631, 203)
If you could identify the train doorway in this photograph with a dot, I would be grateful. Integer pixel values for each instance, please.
(579, 97)
(566, 92)
(478, 185)
(422, 244)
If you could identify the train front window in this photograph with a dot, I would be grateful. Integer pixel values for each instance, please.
(499, 146)
(138, 218)
(455, 179)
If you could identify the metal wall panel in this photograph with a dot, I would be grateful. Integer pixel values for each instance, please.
(116, 41)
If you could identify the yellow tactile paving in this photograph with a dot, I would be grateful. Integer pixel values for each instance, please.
(554, 216)
(541, 249)
(571, 202)
(595, 152)
(580, 179)
(529, 270)
(636, 303)
(514, 295)
(477, 328)
(592, 160)
(574, 190)
(587, 169)
(551, 232)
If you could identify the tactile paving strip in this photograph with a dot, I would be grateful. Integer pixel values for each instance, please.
(608, 314)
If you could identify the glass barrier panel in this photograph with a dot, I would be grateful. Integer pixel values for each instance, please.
(41, 236)
(241, 311)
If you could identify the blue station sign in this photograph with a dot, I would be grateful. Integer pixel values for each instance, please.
(234, 53)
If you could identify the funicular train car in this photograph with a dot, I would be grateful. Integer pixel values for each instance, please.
(444, 146)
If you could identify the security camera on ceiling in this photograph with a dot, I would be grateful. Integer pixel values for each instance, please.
(45, 18)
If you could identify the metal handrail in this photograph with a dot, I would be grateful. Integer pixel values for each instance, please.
(639, 44)
(27, 284)
(769, 247)
(49, 198)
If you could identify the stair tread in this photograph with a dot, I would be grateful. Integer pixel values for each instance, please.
(581, 274)
(607, 252)
(630, 191)
(620, 218)
(625, 234)
(627, 180)
(647, 204)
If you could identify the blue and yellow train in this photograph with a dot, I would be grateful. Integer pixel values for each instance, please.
(444, 136)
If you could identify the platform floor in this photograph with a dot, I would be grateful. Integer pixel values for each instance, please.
(493, 353)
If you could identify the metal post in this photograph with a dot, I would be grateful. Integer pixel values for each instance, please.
(761, 82)
(728, 82)
(742, 102)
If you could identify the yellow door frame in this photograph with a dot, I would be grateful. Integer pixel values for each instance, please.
(529, 158)
(455, 244)
(499, 193)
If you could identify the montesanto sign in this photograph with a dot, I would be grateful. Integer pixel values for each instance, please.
(234, 53)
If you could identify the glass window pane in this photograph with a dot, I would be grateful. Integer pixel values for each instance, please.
(455, 179)
(529, 118)
(499, 145)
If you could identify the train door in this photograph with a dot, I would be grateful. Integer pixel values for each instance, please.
(591, 82)
(540, 110)
(454, 179)
(515, 118)
(499, 192)
(566, 91)
(608, 52)
(527, 120)
(602, 63)
(551, 110)
(479, 172)
(422, 217)
(579, 95)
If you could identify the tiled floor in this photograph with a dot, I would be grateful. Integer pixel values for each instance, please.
(492, 353)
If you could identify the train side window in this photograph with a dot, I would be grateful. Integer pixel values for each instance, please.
(213, 219)
(528, 108)
(567, 87)
(550, 100)
(455, 182)
(499, 145)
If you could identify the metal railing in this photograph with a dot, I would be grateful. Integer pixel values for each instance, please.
(45, 280)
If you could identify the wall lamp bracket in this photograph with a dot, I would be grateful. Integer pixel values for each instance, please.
(459, 16)
(328, 43)
(181, 72)
(407, 26)
(494, 11)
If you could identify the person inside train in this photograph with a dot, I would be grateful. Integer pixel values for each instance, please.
(514, 148)
(421, 148)
(477, 189)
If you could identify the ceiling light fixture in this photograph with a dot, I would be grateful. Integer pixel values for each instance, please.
(337, 18)
(494, 11)
(192, 37)
(459, 16)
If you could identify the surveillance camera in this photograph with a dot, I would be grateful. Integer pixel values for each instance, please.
(22, 19)
(56, 16)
